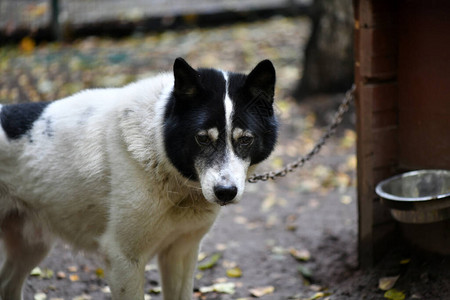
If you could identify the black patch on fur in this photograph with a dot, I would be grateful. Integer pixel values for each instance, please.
(252, 97)
(196, 104)
(18, 119)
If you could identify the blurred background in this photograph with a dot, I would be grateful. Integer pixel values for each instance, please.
(294, 238)
(325, 60)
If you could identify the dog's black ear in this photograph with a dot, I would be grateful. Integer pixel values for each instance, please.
(186, 78)
(260, 81)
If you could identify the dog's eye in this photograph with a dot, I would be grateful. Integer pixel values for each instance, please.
(202, 139)
(245, 141)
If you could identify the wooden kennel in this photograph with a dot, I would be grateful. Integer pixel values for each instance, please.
(402, 75)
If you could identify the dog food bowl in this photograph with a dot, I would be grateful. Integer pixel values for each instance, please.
(417, 197)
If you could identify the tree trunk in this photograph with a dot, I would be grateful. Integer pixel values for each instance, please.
(328, 62)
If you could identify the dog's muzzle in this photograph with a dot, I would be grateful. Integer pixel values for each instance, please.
(225, 193)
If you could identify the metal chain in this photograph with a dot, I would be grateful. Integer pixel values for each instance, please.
(343, 108)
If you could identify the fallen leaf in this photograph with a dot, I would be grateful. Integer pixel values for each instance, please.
(211, 262)
(394, 294)
(405, 261)
(305, 271)
(47, 273)
(225, 287)
(36, 272)
(74, 277)
(319, 295)
(346, 199)
(155, 290)
(40, 296)
(72, 269)
(301, 255)
(27, 44)
(262, 291)
(201, 256)
(387, 283)
(100, 273)
(60, 275)
(234, 272)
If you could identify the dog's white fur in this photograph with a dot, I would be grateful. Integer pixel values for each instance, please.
(107, 185)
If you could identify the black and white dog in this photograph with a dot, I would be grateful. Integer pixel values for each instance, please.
(131, 172)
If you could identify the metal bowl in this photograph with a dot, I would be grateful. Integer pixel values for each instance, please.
(417, 197)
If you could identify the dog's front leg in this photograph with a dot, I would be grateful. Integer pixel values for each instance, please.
(177, 265)
(125, 277)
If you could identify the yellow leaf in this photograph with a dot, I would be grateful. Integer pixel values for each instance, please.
(74, 277)
(405, 261)
(155, 290)
(211, 262)
(319, 295)
(394, 294)
(27, 44)
(100, 273)
(261, 291)
(234, 272)
(47, 273)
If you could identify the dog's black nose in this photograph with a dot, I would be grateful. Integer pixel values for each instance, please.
(225, 193)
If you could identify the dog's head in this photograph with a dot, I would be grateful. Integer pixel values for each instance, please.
(217, 124)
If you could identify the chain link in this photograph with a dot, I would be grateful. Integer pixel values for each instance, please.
(291, 167)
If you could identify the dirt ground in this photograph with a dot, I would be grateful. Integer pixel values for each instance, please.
(295, 238)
